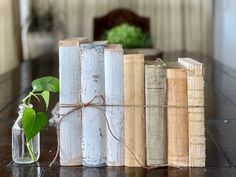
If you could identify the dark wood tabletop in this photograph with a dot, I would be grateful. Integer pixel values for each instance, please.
(220, 129)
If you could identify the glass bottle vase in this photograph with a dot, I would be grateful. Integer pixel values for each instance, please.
(23, 152)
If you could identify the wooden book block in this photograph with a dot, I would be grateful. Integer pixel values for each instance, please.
(155, 94)
(177, 115)
(70, 127)
(114, 91)
(93, 120)
(134, 116)
(197, 141)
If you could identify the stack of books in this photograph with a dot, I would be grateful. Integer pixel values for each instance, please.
(151, 113)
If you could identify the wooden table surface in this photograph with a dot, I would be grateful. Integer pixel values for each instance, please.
(220, 130)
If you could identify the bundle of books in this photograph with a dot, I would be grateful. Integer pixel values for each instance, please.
(152, 113)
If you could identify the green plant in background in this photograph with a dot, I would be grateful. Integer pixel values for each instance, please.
(33, 122)
(129, 36)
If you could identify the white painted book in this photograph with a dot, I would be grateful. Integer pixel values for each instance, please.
(70, 127)
(114, 91)
(93, 120)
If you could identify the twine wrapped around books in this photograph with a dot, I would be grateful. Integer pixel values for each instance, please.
(100, 106)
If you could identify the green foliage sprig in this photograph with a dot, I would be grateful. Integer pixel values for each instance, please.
(33, 122)
(129, 36)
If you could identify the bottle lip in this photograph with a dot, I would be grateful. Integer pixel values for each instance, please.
(22, 106)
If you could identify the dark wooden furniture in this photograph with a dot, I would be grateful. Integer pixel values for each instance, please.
(221, 134)
(117, 17)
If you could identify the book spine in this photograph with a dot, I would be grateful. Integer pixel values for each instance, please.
(195, 81)
(156, 133)
(197, 140)
(93, 120)
(177, 117)
(197, 145)
(114, 91)
(134, 116)
(70, 127)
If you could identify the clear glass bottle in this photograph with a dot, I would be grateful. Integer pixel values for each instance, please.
(20, 149)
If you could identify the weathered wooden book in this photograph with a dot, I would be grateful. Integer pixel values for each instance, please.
(195, 82)
(156, 130)
(93, 120)
(134, 115)
(70, 127)
(114, 91)
(177, 115)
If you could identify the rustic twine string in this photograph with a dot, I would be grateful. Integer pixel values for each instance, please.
(75, 107)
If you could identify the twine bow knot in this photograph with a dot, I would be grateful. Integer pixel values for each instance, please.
(98, 105)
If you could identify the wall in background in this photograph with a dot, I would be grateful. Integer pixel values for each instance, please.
(9, 35)
(225, 47)
(175, 24)
(225, 32)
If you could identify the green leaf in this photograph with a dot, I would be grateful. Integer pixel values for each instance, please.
(46, 95)
(33, 122)
(48, 83)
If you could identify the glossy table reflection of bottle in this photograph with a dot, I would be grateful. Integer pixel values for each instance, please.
(25, 170)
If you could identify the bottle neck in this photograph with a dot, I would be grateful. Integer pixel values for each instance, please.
(21, 109)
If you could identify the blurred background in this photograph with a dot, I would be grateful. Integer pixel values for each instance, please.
(202, 29)
(31, 28)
